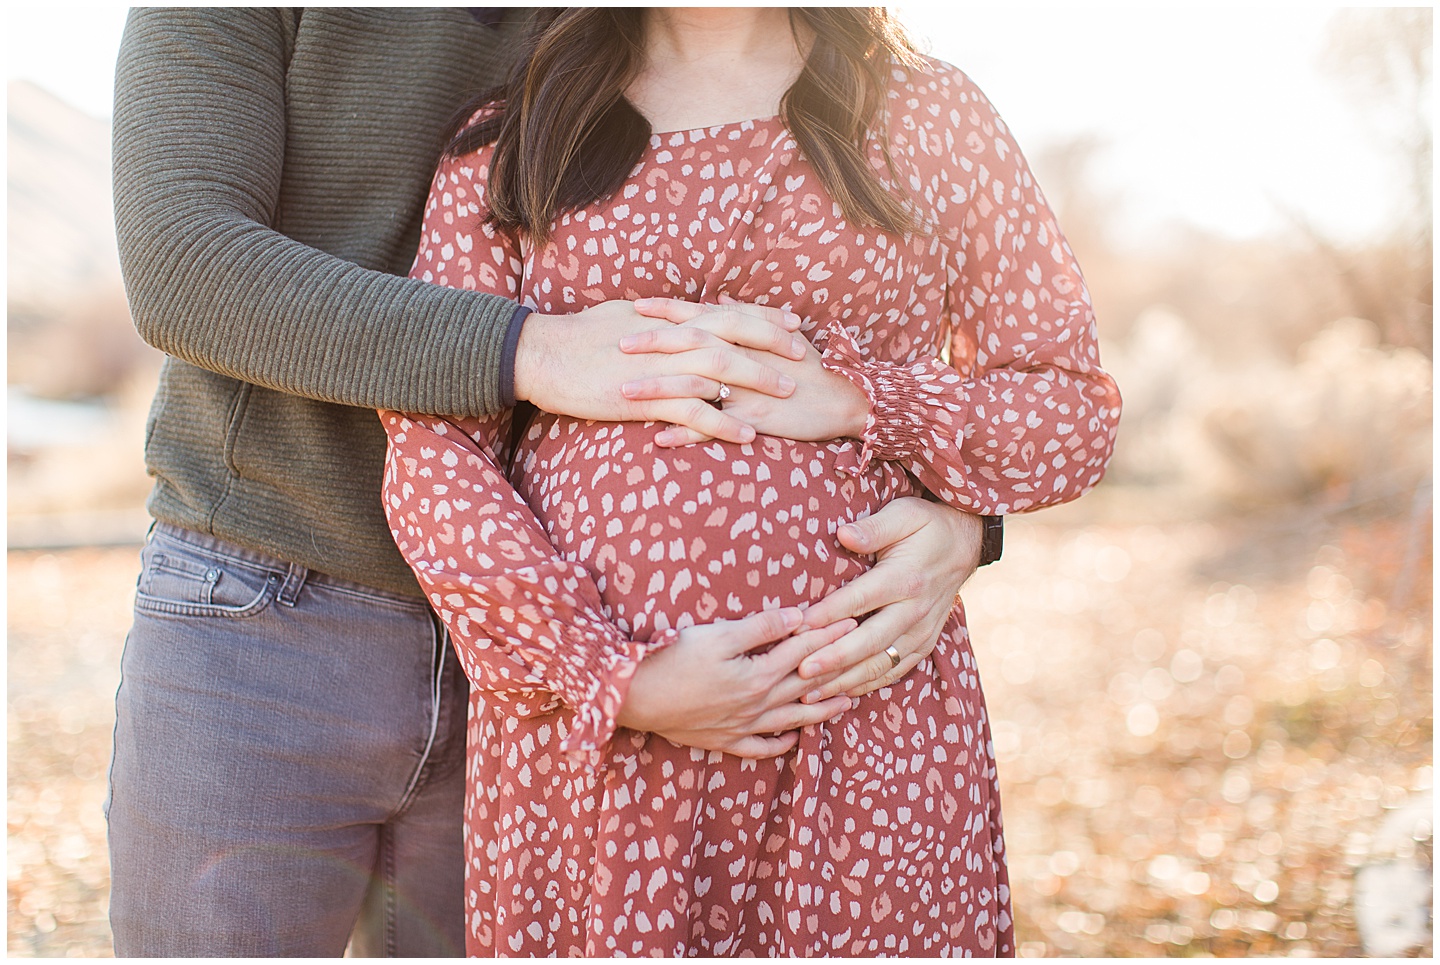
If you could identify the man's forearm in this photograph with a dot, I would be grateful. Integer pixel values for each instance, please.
(200, 147)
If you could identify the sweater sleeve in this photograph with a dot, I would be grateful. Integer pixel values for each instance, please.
(199, 145)
(529, 625)
(1021, 415)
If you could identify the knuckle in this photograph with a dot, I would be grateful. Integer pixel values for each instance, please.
(720, 322)
(724, 425)
(766, 624)
(760, 332)
(864, 600)
(847, 601)
(720, 361)
(804, 717)
(911, 509)
(913, 584)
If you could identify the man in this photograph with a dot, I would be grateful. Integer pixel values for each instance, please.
(288, 773)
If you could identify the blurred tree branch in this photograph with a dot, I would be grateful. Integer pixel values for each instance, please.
(1382, 61)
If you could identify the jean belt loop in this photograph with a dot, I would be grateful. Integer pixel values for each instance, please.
(294, 581)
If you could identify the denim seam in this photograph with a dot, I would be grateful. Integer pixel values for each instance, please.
(114, 742)
(398, 603)
(422, 767)
(157, 605)
(389, 889)
(317, 579)
(277, 567)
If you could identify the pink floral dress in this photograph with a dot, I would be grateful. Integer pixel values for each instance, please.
(559, 566)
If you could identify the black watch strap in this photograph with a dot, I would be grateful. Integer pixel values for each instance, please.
(992, 542)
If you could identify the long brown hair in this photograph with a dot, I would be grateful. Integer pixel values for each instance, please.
(565, 135)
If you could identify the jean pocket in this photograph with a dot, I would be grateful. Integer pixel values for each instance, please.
(185, 580)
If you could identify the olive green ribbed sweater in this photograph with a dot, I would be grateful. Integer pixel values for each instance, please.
(271, 166)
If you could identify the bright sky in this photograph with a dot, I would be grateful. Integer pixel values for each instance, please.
(1211, 113)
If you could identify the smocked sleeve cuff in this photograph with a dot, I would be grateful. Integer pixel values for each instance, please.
(607, 666)
(895, 427)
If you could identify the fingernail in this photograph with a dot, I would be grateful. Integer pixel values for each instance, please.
(808, 670)
(646, 302)
(628, 389)
(812, 697)
(797, 347)
(792, 617)
(747, 434)
(627, 341)
(792, 319)
(787, 384)
(854, 703)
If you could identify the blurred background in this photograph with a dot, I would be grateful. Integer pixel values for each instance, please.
(1210, 680)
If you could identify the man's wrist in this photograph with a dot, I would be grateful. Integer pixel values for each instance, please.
(531, 355)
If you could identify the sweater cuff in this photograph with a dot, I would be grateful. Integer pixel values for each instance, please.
(507, 355)
(895, 427)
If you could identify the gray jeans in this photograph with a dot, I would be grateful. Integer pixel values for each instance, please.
(289, 764)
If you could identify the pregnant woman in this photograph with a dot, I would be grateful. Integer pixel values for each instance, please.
(803, 160)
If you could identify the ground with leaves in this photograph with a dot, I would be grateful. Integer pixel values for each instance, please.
(1201, 726)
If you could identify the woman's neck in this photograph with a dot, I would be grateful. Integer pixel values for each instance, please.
(713, 65)
(689, 35)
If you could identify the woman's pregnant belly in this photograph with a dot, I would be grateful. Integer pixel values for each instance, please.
(713, 531)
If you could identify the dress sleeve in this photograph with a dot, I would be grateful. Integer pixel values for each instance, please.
(529, 625)
(1021, 416)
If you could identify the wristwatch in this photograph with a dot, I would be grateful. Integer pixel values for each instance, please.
(992, 541)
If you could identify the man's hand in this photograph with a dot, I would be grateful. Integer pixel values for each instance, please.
(924, 553)
(711, 690)
(573, 365)
(823, 406)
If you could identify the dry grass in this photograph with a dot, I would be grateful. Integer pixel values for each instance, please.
(1200, 726)
(68, 613)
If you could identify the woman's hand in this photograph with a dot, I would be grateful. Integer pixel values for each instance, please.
(711, 690)
(924, 552)
(823, 406)
(573, 365)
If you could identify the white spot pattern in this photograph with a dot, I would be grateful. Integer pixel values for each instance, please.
(880, 834)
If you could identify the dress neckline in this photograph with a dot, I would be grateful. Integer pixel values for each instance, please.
(713, 129)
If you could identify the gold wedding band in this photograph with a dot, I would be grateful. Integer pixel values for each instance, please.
(894, 656)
